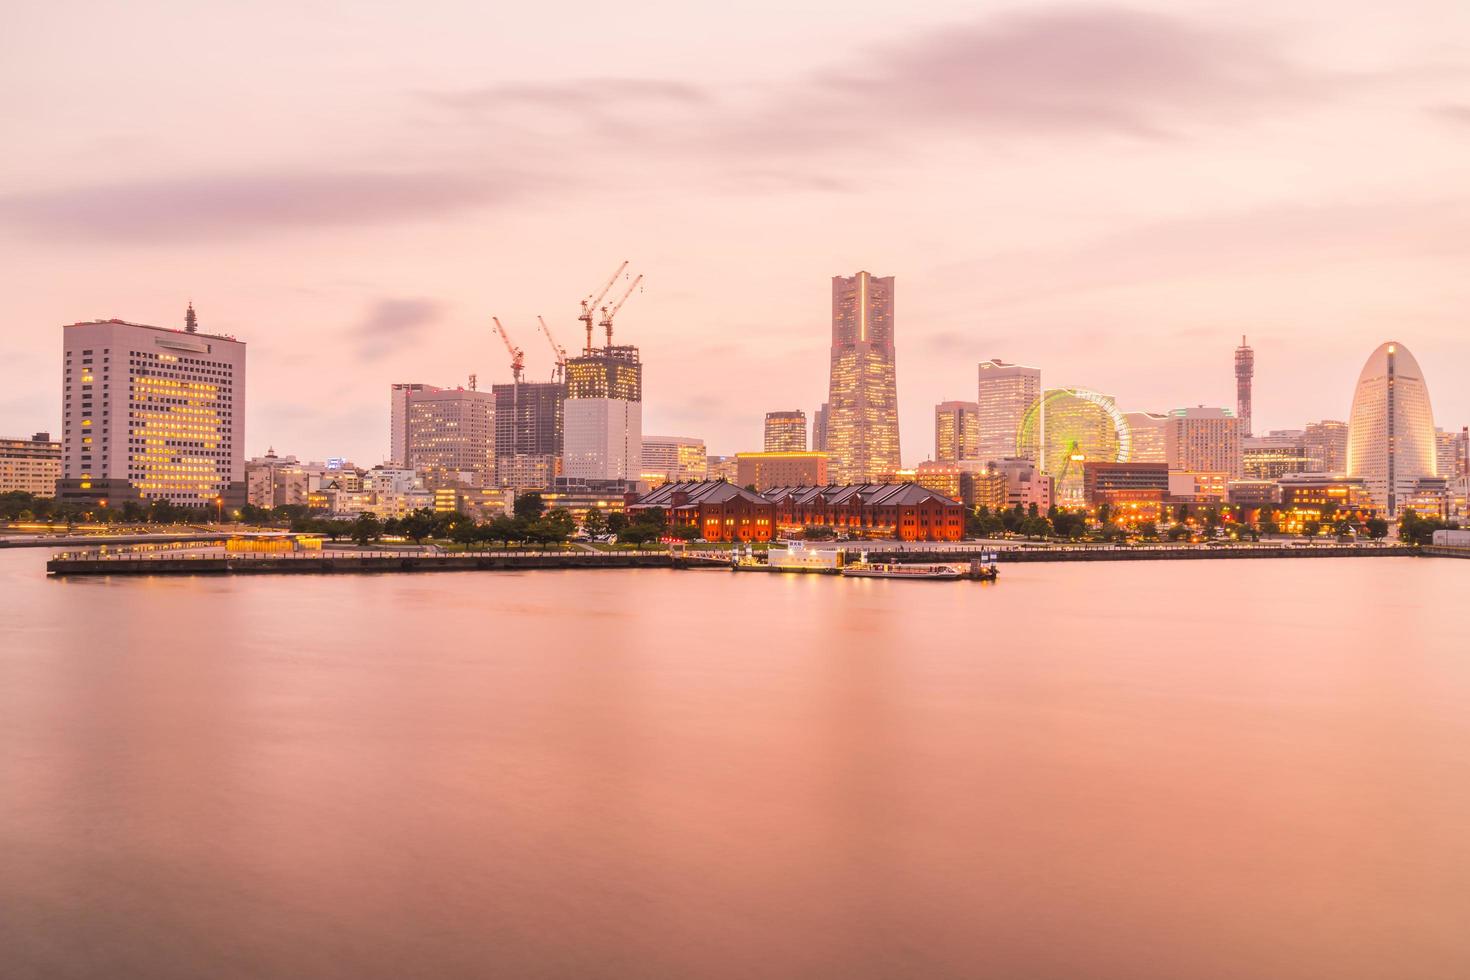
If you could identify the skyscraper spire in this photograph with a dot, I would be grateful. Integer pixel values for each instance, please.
(191, 321)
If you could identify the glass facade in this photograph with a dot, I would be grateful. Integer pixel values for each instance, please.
(956, 431)
(1391, 442)
(1006, 393)
(862, 407)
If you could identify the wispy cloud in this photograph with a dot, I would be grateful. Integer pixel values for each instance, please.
(1082, 69)
(238, 205)
(392, 322)
(1454, 113)
(581, 94)
(1047, 72)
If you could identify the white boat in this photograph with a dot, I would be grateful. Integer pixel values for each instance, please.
(798, 556)
(895, 570)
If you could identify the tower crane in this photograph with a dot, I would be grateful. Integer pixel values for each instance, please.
(558, 373)
(589, 303)
(609, 312)
(517, 356)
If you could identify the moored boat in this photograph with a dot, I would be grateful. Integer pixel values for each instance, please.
(904, 571)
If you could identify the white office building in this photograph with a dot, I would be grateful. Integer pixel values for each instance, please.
(1006, 393)
(603, 418)
(152, 413)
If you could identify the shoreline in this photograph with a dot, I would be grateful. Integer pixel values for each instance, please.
(377, 562)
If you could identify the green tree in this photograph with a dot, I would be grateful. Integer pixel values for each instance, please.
(1376, 527)
(554, 527)
(367, 528)
(418, 525)
(529, 506)
(465, 532)
(595, 522)
(504, 529)
(1417, 530)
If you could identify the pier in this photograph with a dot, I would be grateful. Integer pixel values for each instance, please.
(217, 562)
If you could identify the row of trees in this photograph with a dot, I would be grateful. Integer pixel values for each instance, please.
(1075, 524)
(531, 522)
(17, 505)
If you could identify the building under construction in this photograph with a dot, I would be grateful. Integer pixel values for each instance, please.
(529, 426)
(604, 415)
(585, 423)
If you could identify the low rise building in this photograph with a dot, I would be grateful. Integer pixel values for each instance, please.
(1325, 492)
(30, 465)
(527, 471)
(1199, 487)
(1253, 494)
(1025, 484)
(1272, 456)
(1106, 483)
(905, 511)
(720, 511)
(478, 503)
(776, 469)
(276, 481)
(671, 459)
(725, 468)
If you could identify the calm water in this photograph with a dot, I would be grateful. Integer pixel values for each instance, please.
(1139, 770)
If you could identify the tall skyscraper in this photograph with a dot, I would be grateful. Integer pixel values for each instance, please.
(152, 412)
(819, 429)
(451, 431)
(785, 432)
(529, 428)
(398, 421)
(1245, 370)
(862, 420)
(1326, 443)
(1006, 393)
(604, 416)
(1391, 430)
(1203, 440)
(956, 431)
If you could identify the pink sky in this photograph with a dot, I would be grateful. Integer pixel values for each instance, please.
(1114, 193)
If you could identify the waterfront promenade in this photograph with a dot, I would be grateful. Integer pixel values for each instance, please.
(215, 561)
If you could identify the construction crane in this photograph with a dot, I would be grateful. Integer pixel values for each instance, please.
(589, 304)
(609, 312)
(517, 356)
(558, 373)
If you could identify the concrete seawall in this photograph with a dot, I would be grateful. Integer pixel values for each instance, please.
(1141, 554)
(336, 562)
(371, 562)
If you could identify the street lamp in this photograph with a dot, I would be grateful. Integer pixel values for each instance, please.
(219, 509)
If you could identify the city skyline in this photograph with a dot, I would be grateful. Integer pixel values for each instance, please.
(399, 390)
(1120, 229)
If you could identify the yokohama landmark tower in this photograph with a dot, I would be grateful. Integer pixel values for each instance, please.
(862, 420)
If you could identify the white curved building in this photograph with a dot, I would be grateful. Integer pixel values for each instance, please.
(1391, 431)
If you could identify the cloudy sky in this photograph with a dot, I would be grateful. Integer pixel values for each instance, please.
(1112, 192)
